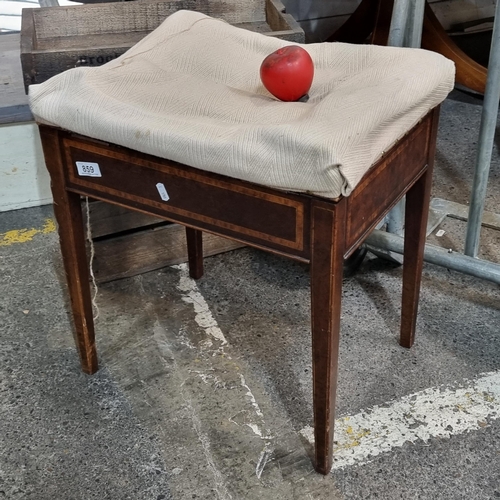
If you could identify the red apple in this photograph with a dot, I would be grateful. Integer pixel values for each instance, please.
(288, 73)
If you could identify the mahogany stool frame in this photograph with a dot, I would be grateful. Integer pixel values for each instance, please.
(306, 228)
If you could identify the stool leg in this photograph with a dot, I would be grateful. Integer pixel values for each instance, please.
(328, 244)
(194, 238)
(417, 211)
(68, 212)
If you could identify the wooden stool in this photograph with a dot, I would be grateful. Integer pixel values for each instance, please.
(306, 228)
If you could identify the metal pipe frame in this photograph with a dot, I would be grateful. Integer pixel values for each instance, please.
(390, 242)
(399, 21)
(485, 142)
(406, 30)
(437, 255)
(413, 37)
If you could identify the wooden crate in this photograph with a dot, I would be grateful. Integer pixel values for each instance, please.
(128, 243)
(55, 39)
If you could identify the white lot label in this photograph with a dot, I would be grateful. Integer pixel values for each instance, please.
(163, 192)
(88, 169)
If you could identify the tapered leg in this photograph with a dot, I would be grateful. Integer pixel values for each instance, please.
(416, 215)
(417, 211)
(194, 239)
(328, 245)
(68, 212)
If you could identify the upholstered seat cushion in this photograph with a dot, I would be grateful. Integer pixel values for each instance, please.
(191, 92)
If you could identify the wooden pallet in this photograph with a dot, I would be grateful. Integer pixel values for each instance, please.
(129, 243)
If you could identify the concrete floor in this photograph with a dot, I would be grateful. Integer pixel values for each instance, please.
(204, 388)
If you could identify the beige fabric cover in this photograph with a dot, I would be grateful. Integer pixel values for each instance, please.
(191, 92)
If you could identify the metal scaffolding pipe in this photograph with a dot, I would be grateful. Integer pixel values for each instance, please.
(436, 255)
(398, 29)
(415, 24)
(485, 142)
(399, 21)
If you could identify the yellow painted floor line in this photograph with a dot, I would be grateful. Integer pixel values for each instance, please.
(23, 235)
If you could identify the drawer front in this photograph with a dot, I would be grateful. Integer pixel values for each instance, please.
(187, 195)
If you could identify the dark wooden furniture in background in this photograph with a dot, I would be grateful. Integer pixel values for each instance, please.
(371, 22)
(310, 229)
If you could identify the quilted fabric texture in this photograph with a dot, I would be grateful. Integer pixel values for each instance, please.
(191, 92)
